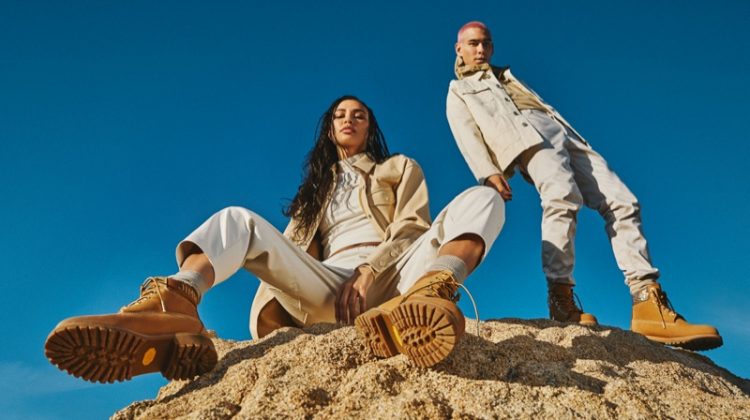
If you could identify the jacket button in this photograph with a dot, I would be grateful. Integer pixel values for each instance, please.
(525, 124)
(498, 85)
(382, 263)
(394, 253)
(516, 113)
(507, 99)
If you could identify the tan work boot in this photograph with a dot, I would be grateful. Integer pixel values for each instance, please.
(563, 308)
(424, 323)
(655, 318)
(159, 331)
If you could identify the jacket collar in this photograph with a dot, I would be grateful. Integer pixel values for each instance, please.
(482, 72)
(502, 72)
(364, 163)
(360, 161)
(464, 71)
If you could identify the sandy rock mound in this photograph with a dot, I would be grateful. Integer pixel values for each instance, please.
(519, 368)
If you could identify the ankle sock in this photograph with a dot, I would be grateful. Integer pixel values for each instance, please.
(192, 278)
(455, 265)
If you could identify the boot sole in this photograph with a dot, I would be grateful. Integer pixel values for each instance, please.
(425, 333)
(106, 355)
(695, 343)
(584, 323)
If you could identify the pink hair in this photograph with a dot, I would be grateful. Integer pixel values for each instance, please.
(474, 24)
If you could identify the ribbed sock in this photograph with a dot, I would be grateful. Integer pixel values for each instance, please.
(455, 265)
(192, 278)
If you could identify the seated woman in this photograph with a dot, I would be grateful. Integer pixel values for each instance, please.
(360, 238)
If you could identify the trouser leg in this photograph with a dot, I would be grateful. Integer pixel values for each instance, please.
(548, 167)
(236, 237)
(603, 191)
(425, 323)
(479, 211)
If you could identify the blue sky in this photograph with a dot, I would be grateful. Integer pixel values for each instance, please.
(123, 125)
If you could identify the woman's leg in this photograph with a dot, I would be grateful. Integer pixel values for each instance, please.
(235, 237)
(161, 330)
(424, 322)
(466, 228)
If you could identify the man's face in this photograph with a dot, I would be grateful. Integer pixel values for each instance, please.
(475, 46)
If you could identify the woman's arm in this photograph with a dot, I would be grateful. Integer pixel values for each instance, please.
(411, 218)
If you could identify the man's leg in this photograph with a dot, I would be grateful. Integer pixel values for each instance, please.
(653, 315)
(424, 323)
(548, 167)
(603, 191)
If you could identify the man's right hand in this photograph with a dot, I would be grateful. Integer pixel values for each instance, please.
(501, 185)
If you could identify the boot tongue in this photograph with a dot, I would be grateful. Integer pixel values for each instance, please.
(446, 289)
(447, 292)
(155, 290)
(563, 299)
(667, 305)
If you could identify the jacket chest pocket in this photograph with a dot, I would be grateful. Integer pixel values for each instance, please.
(480, 98)
(384, 201)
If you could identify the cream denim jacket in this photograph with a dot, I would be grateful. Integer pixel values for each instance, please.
(489, 130)
(393, 195)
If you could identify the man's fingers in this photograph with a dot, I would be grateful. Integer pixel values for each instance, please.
(506, 195)
(505, 183)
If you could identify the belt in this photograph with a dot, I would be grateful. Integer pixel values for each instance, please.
(348, 247)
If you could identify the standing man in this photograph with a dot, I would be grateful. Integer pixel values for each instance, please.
(499, 125)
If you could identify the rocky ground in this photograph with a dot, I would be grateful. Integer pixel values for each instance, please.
(518, 368)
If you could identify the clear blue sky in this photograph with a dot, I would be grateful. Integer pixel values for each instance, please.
(123, 125)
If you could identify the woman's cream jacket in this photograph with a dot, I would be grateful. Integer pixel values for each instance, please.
(393, 195)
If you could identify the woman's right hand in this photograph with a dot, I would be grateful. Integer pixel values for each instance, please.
(351, 299)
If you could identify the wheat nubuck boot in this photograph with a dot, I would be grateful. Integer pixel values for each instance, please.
(424, 323)
(655, 318)
(563, 308)
(159, 331)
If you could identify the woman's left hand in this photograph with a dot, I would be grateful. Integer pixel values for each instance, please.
(351, 299)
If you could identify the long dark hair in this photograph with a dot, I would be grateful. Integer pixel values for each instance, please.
(318, 177)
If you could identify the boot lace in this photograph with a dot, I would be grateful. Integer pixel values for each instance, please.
(442, 286)
(665, 305)
(149, 288)
(565, 302)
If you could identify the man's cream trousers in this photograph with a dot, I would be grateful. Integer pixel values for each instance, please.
(567, 172)
(236, 237)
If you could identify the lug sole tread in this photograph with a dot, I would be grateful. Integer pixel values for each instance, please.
(107, 355)
(425, 333)
(694, 343)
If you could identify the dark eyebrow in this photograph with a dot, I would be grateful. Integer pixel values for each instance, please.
(355, 110)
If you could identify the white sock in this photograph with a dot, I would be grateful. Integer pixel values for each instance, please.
(455, 265)
(193, 279)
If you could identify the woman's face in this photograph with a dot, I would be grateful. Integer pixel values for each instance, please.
(351, 123)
